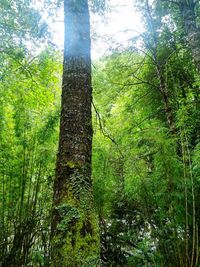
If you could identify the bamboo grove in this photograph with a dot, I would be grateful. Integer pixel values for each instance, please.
(146, 142)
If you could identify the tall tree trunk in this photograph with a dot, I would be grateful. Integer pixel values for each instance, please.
(188, 14)
(75, 234)
(160, 69)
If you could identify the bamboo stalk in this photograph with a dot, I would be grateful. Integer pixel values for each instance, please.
(186, 202)
(193, 202)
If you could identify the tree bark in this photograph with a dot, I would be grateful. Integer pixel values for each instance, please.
(160, 69)
(75, 234)
(188, 14)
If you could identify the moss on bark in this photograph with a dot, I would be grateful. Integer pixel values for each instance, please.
(75, 233)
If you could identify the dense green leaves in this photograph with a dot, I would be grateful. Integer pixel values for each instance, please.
(29, 120)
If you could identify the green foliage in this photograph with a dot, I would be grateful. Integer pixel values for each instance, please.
(69, 215)
(98, 6)
(139, 178)
(29, 96)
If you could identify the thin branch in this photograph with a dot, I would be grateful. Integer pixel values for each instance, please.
(104, 132)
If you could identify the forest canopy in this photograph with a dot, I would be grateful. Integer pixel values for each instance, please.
(99, 156)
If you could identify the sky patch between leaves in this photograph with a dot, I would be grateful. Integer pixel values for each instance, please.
(114, 30)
